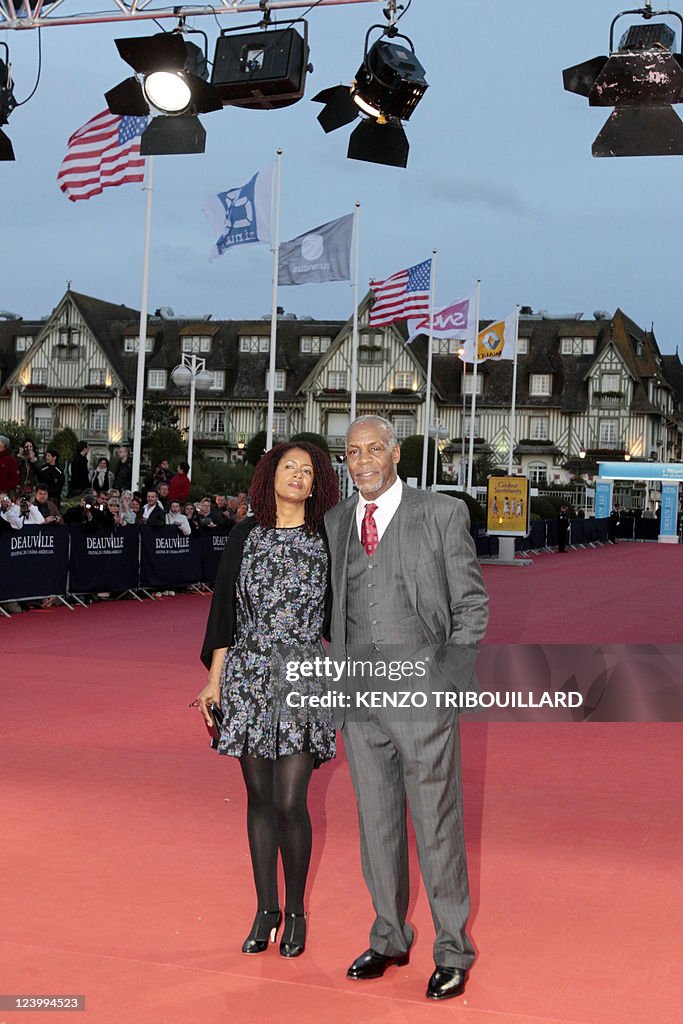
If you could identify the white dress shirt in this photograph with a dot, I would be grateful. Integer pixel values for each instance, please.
(387, 506)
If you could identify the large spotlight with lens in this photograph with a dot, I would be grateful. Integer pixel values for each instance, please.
(171, 80)
(7, 104)
(641, 79)
(388, 86)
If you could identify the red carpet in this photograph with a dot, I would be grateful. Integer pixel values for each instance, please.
(125, 868)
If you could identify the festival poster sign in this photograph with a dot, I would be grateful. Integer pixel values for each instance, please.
(507, 506)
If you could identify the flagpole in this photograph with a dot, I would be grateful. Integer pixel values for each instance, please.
(463, 463)
(354, 337)
(142, 341)
(273, 315)
(473, 403)
(513, 409)
(428, 394)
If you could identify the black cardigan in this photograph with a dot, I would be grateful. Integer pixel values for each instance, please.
(220, 629)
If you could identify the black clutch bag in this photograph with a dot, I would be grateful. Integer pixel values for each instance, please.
(215, 732)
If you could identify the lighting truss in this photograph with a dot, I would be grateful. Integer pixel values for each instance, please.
(26, 14)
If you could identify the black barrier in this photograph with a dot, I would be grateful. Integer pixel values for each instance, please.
(34, 562)
(167, 559)
(213, 543)
(104, 559)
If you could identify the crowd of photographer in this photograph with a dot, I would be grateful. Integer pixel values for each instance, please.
(31, 493)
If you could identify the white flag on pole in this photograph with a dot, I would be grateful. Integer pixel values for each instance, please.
(241, 216)
(497, 341)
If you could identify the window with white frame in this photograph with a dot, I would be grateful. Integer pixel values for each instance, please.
(577, 346)
(404, 380)
(280, 423)
(539, 384)
(99, 419)
(314, 342)
(610, 382)
(217, 380)
(133, 344)
(196, 343)
(23, 342)
(254, 343)
(39, 375)
(404, 426)
(97, 377)
(538, 474)
(538, 428)
(156, 380)
(522, 346)
(336, 380)
(371, 355)
(280, 379)
(42, 419)
(214, 421)
(609, 433)
(468, 384)
(446, 346)
(471, 429)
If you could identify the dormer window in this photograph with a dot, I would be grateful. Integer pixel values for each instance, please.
(314, 342)
(540, 385)
(23, 342)
(194, 343)
(522, 346)
(255, 343)
(280, 379)
(132, 344)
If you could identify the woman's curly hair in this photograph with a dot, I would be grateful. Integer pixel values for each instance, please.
(324, 496)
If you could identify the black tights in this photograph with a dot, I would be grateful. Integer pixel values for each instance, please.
(277, 818)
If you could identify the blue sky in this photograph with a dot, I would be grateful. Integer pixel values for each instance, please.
(500, 179)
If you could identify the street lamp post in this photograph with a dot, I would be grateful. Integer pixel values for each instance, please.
(191, 371)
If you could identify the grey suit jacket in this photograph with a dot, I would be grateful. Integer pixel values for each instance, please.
(440, 567)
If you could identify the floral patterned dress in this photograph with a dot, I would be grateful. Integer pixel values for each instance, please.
(280, 609)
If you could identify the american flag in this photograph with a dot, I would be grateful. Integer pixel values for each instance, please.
(402, 295)
(104, 152)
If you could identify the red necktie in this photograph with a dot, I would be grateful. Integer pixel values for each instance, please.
(369, 537)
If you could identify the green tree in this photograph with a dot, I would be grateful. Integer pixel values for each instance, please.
(164, 443)
(16, 432)
(157, 414)
(477, 511)
(312, 438)
(209, 477)
(411, 460)
(255, 448)
(482, 468)
(65, 442)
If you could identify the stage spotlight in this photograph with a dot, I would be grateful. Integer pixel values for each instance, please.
(388, 86)
(7, 104)
(170, 78)
(641, 79)
(261, 70)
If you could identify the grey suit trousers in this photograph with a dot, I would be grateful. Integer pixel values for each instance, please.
(391, 759)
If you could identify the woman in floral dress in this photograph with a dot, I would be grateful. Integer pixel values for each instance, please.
(269, 608)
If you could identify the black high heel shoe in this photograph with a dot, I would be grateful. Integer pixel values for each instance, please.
(265, 926)
(293, 941)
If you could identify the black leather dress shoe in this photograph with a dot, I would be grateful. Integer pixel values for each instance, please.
(373, 965)
(446, 983)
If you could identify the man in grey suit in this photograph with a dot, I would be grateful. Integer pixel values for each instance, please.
(406, 578)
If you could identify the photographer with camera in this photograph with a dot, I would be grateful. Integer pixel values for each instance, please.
(90, 511)
(19, 512)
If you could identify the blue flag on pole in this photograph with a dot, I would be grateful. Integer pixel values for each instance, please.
(241, 215)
